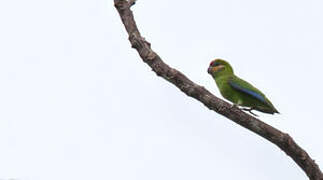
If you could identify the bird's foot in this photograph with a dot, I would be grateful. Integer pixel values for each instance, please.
(234, 106)
(250, 111)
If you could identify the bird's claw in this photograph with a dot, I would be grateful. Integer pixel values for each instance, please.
(244, 109)
(234, 106)
(250, 111)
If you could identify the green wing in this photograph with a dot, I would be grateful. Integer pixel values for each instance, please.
(246, 88)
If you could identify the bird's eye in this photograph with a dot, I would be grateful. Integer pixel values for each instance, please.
(213, 63)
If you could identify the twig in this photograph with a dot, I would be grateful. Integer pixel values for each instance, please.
(282, 140)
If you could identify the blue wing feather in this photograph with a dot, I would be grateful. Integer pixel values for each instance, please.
(248, 91)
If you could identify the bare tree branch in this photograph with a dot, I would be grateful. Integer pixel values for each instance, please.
(282, 140)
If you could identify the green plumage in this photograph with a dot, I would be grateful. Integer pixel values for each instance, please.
(238, 91)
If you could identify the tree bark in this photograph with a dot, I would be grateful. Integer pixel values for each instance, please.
(281, 139)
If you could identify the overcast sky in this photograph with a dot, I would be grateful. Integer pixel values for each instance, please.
(76, 102)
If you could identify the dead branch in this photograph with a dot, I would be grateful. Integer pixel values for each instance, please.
(282, 140)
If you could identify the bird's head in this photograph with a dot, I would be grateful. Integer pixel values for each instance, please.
(219, 67)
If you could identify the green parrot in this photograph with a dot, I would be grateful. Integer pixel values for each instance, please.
(238, 91)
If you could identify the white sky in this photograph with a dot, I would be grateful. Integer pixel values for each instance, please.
(76, 102)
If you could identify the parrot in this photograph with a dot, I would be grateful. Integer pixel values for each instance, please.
(236, 90)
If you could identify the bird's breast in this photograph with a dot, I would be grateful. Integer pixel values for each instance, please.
(225, 89)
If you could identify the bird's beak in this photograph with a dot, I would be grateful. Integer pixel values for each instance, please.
(209, 70)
